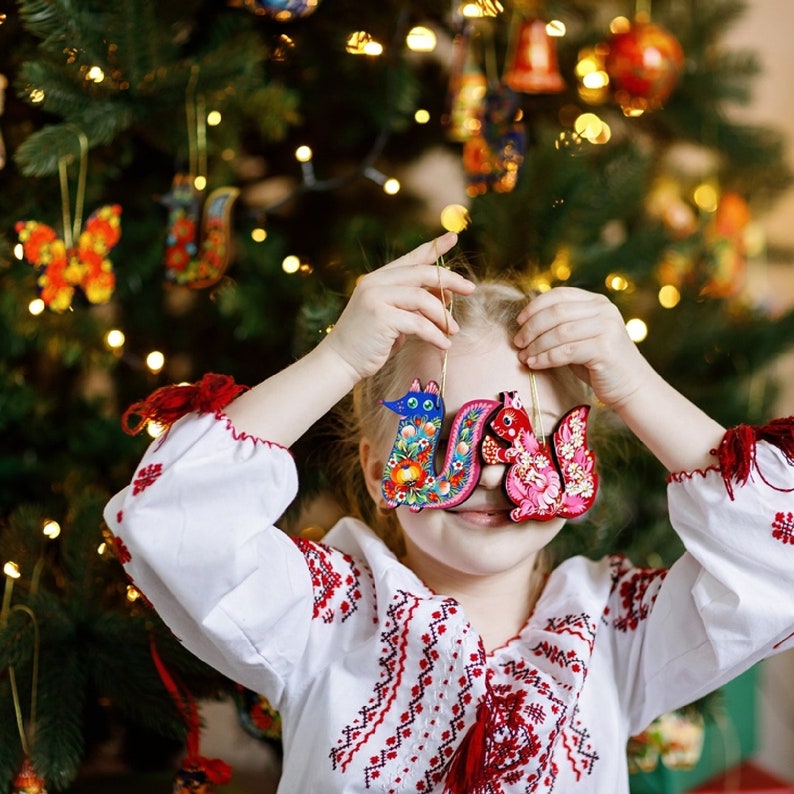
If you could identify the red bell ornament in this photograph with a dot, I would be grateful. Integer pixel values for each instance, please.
(531, 66)
(644, 62)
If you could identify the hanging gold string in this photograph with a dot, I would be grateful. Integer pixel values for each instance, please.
(72, 225)
(26, 741)
(196, 118)
(537, 419)
(443, 298)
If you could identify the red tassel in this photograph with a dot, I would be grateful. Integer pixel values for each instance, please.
(737, 450)
(467, 772)
(169, 403)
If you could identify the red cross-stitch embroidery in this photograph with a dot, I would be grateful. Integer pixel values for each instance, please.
(337, 590)
(121, 550)
(146, 477)
(637, 589)
(783, 527)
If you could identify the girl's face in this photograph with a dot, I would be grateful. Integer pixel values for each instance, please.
(477, 538)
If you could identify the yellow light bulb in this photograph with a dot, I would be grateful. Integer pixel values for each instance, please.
(637, 329)
(155, 361)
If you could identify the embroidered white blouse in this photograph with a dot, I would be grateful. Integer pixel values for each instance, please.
(378, 679)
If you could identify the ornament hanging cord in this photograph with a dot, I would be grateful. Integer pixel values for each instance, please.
(72, 227)
(196, 127)
(12, 678)
(537, 424)
(443, 298)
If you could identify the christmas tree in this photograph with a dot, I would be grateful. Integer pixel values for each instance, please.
(194, 187)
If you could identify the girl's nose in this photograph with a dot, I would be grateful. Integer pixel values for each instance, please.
(491, 475)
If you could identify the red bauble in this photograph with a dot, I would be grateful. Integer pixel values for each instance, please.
(644, 63)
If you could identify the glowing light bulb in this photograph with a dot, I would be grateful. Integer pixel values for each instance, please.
(19, 251)
(303, 154)
(200, 183)
(637, 329)
(616, 282)
(95, 74)
(36, 96)
(669, 296)
(154, 429)
(291, 264)
(115, 339)
(259, 235)
(51, 528)
(36, 307)
(421, 39)
(155, 361)
(421, 116)
(133, 594)
(214, 118)
(556, 27)
(391, 186)
(11, 570)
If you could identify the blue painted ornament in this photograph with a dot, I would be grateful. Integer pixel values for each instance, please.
(285, 10)
(410, 477)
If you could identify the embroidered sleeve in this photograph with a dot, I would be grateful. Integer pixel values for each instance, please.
(197, 529)
(726, 604)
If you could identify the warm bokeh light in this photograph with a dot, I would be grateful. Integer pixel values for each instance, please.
(36, 307)
(214, 118)
(200, 183)
(115, 339)
(669, 296)
(556, 27)
(303, 154)
(51, 528)
(291, 264)
(421, 39)
(11, 570)
(421, 116)
(706, 197)
(637, 329)
(155, 361)
(95, 74)
(154, 429)
(391, 186)
(259, 235)
(616, 282)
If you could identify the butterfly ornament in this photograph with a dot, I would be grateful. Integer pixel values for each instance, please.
(77, 263)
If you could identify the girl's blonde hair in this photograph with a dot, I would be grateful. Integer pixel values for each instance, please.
(491, 308)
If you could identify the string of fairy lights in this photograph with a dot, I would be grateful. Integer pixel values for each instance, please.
(578, 129)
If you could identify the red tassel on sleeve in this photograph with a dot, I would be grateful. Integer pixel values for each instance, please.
(169, 403)
(737, 450)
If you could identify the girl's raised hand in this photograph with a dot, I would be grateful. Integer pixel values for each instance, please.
(573, 327)
(398, 300)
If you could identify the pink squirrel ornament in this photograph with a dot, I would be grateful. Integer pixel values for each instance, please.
(543, 482)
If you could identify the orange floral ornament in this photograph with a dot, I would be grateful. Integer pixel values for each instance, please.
(84, 267)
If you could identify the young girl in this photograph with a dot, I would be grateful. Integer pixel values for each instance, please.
(439, 653)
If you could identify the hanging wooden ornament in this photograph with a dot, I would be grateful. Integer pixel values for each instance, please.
(544, 481)
(199, 234)
(78, 263)
(467, 88)
(411, 477)
(28, 780)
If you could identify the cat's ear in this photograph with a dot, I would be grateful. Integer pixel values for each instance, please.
(372, 465)
(416, 385)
